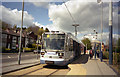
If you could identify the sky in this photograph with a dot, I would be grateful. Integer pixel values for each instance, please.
(55, 16)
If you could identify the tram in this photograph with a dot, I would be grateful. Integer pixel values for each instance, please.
(59, 48)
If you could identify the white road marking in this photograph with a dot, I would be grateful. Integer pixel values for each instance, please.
(9, 57)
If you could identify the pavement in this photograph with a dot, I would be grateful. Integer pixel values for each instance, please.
(92, 67)
(13, 66)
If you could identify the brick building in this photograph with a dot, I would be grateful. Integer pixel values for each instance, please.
(11, 38)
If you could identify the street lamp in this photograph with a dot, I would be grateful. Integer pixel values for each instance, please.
(75, 25)
(110, 33)
(99, 1)
(19, 54)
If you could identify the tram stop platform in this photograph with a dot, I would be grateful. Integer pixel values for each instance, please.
(90, 67)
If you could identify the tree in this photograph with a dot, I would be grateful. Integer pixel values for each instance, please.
(24, 28)
(37, 30)
(118, 45)
(114, 44)
(87, 42)
(29, 29)
(46, 30)
(15, 27)
(41, 31)
(5, 25)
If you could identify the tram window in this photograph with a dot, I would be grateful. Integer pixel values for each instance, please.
(70, 44)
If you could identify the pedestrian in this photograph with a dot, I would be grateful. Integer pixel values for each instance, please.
(91, 54)
(97, 54)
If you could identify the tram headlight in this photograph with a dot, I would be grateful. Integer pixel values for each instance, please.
(60, 54)
(42, 53)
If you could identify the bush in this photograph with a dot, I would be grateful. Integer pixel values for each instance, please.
(28, 49)
(105, 55)
(116, 58)
(29, 45)
(15, 50)
(35, 46)
(5, 50)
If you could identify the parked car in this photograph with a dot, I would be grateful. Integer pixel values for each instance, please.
(35, 51)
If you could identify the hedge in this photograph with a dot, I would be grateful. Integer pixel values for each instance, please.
(5, 50)
(116, 57)
(105, 55)
(28, 49)
(35, 46)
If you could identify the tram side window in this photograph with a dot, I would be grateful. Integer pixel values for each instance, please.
(74, 46)
(66, 44)
(71, 44)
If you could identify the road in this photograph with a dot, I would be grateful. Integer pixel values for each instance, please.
(10, 61)
(13, 57)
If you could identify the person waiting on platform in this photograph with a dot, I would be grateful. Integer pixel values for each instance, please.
(91, 54)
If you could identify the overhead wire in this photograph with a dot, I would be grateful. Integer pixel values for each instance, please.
(69, 12)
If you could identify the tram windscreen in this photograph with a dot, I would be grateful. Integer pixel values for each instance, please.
(53, 41)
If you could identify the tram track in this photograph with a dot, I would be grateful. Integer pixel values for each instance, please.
(43, 70)
(40, 70)
(30, 72)
(53, 73)
(24, 72)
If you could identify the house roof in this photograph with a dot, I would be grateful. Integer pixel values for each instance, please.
(24, 33)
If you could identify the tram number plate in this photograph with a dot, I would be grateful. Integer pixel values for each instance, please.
(49, 62)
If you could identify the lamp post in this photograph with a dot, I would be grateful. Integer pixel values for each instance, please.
(110, 34)
(19, 54)
(99, 1)
(95, 42)
(75, 25)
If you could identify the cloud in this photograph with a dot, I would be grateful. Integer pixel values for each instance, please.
(86, 14)
(51, 27)
(40, 3)
(14, 16)
(105, 37)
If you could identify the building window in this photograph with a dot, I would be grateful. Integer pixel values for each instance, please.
(3, 44)
(8, 36)
(4, 40)
(14, 40)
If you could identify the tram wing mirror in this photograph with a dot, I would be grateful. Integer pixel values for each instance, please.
(45, 51)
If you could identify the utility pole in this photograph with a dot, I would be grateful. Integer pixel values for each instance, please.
(110, 33)
(19, 54)
(75, 25)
